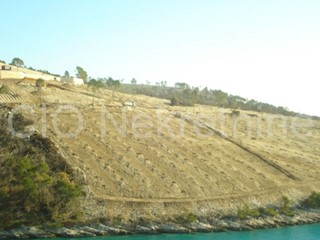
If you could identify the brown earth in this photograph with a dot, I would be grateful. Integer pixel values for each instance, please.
(155, 159)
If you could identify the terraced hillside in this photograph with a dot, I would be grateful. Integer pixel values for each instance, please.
(155, 159)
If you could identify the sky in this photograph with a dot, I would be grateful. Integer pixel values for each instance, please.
(267, 50)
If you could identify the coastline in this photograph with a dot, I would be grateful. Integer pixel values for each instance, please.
(202, 224)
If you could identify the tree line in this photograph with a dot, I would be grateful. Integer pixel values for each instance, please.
(181, 94)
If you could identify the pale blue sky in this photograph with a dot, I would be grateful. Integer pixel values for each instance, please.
(268, 50)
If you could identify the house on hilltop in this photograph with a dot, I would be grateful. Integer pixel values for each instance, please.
(72, 80)
(10, 72)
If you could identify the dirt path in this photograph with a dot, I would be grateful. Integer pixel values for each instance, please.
(208, 199)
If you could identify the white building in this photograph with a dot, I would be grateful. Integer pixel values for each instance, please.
(72, 80)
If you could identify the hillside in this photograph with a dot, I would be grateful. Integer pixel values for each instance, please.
(17, 73)
(171, 159)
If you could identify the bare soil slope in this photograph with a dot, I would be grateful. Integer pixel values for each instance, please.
(155, 159)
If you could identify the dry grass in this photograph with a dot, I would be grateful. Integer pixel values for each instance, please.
(177, 168)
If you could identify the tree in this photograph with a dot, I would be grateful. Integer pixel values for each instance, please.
(163, 83)
(195, 95)
(17, 62)
(31, 193)
(221, 98)
(116, 84)
(66, 74)
(113, 84)
(133, 81)
(175, 100)
(81, 73)
(181, 85)
(94, 85)
(40, 84)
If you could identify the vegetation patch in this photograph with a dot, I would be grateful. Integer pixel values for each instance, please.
(36, 185)
(246, 212)
(4, 89)
(185, 97)
(272, 212)
(40, 83)
(286, 208)
(313, 201)
(186, 218)
(235, 113)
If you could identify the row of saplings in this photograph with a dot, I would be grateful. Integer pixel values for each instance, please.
(40, 83)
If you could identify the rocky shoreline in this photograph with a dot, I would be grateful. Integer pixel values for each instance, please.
(203, 224)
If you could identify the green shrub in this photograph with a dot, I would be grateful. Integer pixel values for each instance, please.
(286, 207)
(175, 101)
(19, 122)
(4, 89)
(31, 194)
(287, 211)
(235, 113)
(313, 201)
(269, 212)
(40, 83)
(255, 213)
(186, 218)
(118, 219)
(245, 212)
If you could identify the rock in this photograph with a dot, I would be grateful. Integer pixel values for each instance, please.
(111, 230)
(252, 223)
(210, 224)
(65, 233)
(246, 228)
(144, 230)
(260, 223)
(270, 223)
(199, 227)
(150, 225)
(17, 233)
(222, 225)
(288, 220)
(93, 230)
(279, 221)
(297, 220)
(172, 228)
(234, 226)
(203, 220)
(127, 228)
(34, 232)
(5, 235)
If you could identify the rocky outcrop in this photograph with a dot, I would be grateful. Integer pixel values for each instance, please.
(172, 228)
(210, 224)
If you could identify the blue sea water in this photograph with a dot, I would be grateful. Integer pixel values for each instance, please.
(305, 232)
